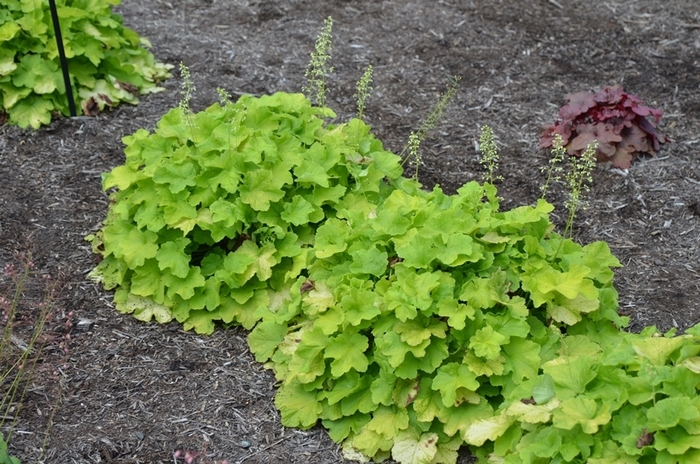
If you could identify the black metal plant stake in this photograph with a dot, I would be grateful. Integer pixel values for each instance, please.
(62, 56)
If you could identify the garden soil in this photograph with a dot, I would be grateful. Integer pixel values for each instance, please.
(110, 389)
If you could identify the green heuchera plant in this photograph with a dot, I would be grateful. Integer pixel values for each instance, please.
(407, 322)
(606, 397)
(218, 229)
(422, 313)
(107, 61)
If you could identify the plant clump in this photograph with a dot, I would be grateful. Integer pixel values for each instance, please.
(422, 314)
(216, 211)
(107, 61)
(617, 120)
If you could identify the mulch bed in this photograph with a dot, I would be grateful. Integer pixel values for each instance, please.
(130, 392)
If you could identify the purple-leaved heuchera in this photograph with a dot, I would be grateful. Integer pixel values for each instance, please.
(616, 119)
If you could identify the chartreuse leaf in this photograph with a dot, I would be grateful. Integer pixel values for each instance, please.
(458, 419)
(7, 32)
(486, 343)
(484, 292)
(388, 421)
(177, 176)
(486, 367)
(410, 447)
(172, 256)
(657, 349)
(411, 292)
(405, 391)
(507, 325)
(597, 257)
(202, 321)
(146, 282)
(547, 282)
(32, 111)
(394, 215)
(343, 387)
(456, 313)
(678, 442)
(185, 287)
(571, 375)
(532, 413)
(318, 299)
(38, 74)
(265, 338)
(458, 249)
(121, 177)
(360, 400)
(569, 310)
(390, 345)
(427, 402)
(331, 238)
(308, 360)
(368, 443)
(382, 388)
(137, 247)
(542, 443)
(299, 408)
(587, 413)
(487, 429)
(145, 309)
(348, 352)
(522, 359)
(369, 261)
(298, 211)
(260, 188)
(628, 426)
(452, 377)
(340, 429)
(416, 249)
(667, 412)
(414, 332)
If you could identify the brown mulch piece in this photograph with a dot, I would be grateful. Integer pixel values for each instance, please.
(131, 392)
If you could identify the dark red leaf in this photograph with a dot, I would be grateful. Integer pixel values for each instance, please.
(579, 103)
(605, 133)
(641, 110)
(609, 95)
(581, 141)
(609, 113)
(635, 139)
(656, 113)
(632, 100)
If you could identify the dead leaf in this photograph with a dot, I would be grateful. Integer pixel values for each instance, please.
(90, 107)
(645, 439)
(307, 286)
(131, 88)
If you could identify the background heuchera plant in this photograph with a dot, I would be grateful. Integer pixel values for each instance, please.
(616, 119)
(107, 61)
